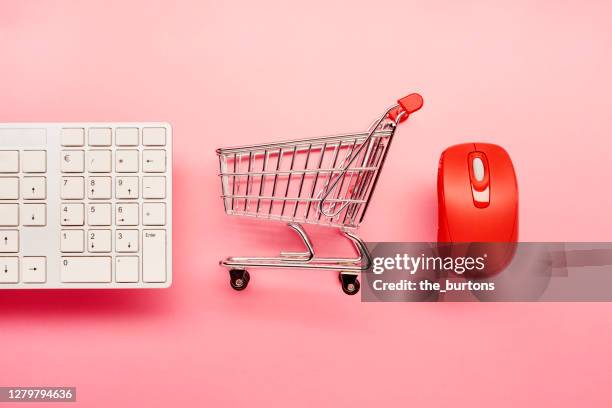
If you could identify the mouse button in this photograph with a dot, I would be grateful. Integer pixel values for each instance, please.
(481, 198)
(478, 166)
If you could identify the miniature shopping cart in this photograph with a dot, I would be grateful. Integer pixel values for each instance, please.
(326, 181)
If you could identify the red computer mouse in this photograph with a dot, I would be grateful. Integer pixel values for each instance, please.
(478, 201)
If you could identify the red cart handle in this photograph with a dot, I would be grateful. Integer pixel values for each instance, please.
(406, 106)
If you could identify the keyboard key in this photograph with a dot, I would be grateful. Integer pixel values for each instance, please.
(127, 187)
(34, 188)
(99, 188)
(126, 137)
(100, 137)
(126, 269)
(154, 161)
(34, 161)
(154, 214)
(73, 161)
(99, 161)
(34, 269)
(73, 188)
(72, 214)
(9, 241)
(154, 136)
(126, 161)
(126, 214)
(154, 255)
(99, 240)
(34, 215)
(73, 137)
(99, 214)
(86, 269)
(126, 240)
(9, 161)
(154, 187)
(9, 215)
(72, 241)
(9, 188)
(9, 270)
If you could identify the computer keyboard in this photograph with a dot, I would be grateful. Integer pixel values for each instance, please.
(85, 205)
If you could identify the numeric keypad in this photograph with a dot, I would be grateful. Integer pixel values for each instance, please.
(85, 205)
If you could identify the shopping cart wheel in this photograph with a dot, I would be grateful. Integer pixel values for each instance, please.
(239, 279)
(350, 283)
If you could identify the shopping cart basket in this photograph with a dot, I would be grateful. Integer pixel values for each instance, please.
(326, 181)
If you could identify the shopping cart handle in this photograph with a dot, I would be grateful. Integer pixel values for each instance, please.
(411, 103)
(407, 105)
(398, 113)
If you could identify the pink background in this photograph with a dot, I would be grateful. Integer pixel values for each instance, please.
(535, 77)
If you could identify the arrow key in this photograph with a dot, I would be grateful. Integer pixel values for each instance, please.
(34, 188)
(34, 215)
(126, 241)
(126, 214)
(9, 241)
(34, 269)
(154, 161)
(99, 188)
(126, 187)
(99, 240)
(72, 214)
(9, 270)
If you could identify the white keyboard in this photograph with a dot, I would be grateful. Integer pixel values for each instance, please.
(85, 205)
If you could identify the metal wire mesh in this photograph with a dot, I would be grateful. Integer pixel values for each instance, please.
(285, 181)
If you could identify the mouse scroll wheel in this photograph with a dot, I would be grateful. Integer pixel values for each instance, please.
(478, 169)
(479, 178)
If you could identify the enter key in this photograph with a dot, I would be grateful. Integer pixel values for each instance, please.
(154, 256)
